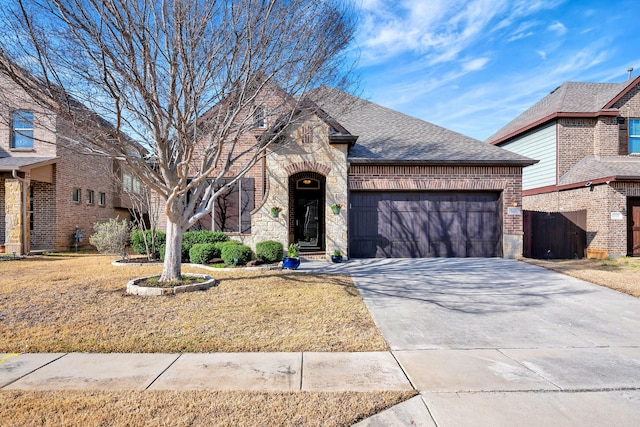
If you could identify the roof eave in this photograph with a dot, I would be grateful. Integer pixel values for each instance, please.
(388, 162)
(343, 139)
(28, 167)
(551, 117)
(622, 93)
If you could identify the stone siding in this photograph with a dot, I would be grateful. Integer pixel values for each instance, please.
(2, 214)
(301, 153)
(13, 216)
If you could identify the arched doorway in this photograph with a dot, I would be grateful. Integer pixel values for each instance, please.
(306, 216)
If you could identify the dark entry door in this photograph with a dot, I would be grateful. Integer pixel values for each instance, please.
(308, 220)
(634, 227)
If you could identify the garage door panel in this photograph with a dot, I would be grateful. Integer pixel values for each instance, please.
(425, 224)
(481, 226)
(444, 206)
(482, 249)
(444, 225)
(482, 207)
(447, 249)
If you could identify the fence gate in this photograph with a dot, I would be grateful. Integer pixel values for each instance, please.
(555, 235)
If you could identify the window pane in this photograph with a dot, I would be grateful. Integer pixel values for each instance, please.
(247, 201)
(23, 139)
(22, 129)
(634, 127)
(634, 145)
(226, 210)
(22, 120)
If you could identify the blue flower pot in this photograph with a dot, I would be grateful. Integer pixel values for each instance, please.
(290, 263)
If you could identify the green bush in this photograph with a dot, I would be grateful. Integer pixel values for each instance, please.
(137, 241)
(269, 251)
(202, 253)
(190, 238)
(235, 254)
(111, 237)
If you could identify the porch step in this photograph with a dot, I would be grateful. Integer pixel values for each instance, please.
(319, 255)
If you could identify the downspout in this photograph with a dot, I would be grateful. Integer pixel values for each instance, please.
(22, 181)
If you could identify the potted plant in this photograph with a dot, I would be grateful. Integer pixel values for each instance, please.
(275, 211)
(292, 261)
(336, 208)
(337, 256)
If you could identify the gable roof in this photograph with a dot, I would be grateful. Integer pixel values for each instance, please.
(571, 99)
(388, 136)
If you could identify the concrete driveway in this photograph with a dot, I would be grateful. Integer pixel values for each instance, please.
(503, 343)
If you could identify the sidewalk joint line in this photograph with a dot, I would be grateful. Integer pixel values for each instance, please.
(163, 371)
(31, 372)
(301, 368)
(538, 374)
(403, 371)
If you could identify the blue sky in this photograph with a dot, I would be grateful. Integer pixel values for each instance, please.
(472, 66)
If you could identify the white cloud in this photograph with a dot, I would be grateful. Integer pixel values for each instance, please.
(542, 54)
(475, 64)
(558, 28)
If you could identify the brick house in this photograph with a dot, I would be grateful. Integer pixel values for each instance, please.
(407, 188)
(586, 137)
(47, 190)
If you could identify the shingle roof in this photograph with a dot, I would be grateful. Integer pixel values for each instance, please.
(8, 164)
(570, 97)
(592, 167)
(385, 135)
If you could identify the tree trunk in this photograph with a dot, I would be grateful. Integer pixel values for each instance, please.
(171, 269)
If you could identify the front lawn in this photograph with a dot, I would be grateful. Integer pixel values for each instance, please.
(621, 274)
(78, 304)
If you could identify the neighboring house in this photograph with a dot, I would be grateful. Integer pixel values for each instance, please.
(587, 139)
(48, 191)
(407, 188)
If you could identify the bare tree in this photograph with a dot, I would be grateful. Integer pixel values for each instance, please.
(182, 83)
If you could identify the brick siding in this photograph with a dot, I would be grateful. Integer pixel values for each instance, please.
(605, 236)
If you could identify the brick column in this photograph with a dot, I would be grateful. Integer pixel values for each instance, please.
(13, 216)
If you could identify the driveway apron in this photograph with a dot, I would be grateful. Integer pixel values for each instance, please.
(502, 342)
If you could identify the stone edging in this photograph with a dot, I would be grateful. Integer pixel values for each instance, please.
(134, 289)
(117, 263)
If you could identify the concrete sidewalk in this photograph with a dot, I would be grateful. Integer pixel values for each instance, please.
(373, 371)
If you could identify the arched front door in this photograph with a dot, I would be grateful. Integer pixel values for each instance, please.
(307, 202)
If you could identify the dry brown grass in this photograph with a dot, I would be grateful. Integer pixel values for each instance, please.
(78, 304)
(193, 408)
(621, 274)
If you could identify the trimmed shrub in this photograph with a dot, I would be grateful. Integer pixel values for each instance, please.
(269, 251)
(137, 241)
(190, 238)
(239, 253)
(202, 253)
(111, 237)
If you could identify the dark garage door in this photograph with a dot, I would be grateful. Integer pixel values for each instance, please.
(425, 224)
